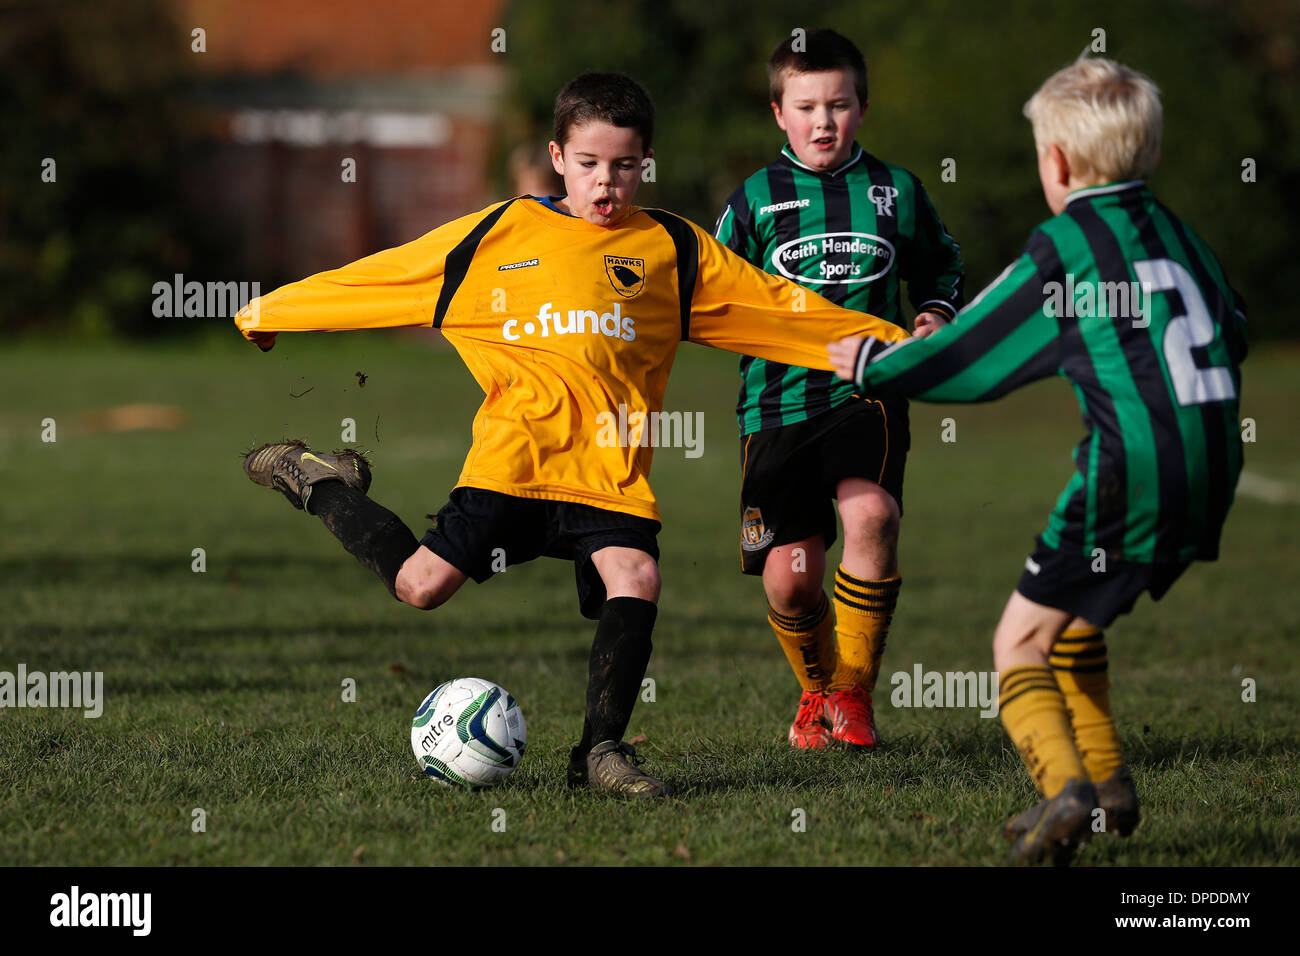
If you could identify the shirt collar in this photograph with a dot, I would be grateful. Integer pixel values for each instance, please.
(854, 158)
(1091, 192)
(549, 203)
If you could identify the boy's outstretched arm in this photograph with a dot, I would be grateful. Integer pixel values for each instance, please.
(740, 308)
(396, 287)
(1002, 340)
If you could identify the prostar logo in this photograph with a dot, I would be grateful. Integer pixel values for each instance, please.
(573, 322)
(782, 206)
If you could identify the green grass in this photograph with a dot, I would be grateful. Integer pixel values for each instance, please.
(222, 689)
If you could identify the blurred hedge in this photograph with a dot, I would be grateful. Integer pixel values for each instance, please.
(100, 88)
(948, 79)
(103, 89)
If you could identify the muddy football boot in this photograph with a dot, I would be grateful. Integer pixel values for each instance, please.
(613, 766)
(292, 468)
(1061, 825)
(1117, 795)
(810, 730)
(1021, 823)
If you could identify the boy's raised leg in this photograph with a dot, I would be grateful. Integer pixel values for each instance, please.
(333, 487)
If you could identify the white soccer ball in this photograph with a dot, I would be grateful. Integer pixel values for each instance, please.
(468, 733)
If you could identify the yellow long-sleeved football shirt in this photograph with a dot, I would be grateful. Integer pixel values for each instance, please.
(560, 320)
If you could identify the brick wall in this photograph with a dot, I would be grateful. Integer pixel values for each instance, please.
(282, 196)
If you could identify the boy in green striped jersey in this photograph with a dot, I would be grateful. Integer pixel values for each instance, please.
(1125, 301)
(837, 220)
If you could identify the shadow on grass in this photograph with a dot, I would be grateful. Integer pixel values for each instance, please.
(371, 636)
(900, 763)
(980, 750)
(1158, 752)
(1153, 844)
(96, 565)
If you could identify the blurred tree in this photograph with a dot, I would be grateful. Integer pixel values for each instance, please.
(948, 81)
(99, 90)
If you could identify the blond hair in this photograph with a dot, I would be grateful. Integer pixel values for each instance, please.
(1103, 115)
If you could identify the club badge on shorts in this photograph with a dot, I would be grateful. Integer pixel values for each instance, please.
(754, 535)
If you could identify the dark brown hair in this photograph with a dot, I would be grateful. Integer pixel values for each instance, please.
(822, 50)
(608, 98)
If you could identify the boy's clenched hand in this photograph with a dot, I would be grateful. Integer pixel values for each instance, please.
(844, 355)
(928, 323)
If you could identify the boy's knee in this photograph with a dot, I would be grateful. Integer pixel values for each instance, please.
(640, 577)
(419, 594)
(1026, 632)
(422, 585)
(870, 515)
(789, 591)
(628, 572)
(1007, 649)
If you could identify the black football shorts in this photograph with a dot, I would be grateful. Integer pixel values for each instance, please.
(477, 529)
(789, 474)
(1066, 580)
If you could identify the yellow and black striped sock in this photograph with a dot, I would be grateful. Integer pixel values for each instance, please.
(1078, 661)
(863, 610)
(809, 643)
(1033, 711)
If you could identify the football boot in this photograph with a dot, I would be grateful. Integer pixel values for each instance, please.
(613, 766)
(292, 468)
(852, 721)
(810, 730)
(1117, 795)
(1061, 825)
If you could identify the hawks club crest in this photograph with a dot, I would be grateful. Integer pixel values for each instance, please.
(754, 535)
(627, 276)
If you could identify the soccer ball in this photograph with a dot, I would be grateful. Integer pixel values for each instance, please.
(468, 733)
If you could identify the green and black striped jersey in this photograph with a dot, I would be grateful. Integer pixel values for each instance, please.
(1125, 301)
(850, 234)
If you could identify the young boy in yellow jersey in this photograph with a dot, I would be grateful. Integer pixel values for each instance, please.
(563, 308)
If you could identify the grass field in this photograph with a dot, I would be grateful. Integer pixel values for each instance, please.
(222, 689)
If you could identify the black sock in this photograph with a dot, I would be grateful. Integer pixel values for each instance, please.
(619, 656)
(372, 534)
